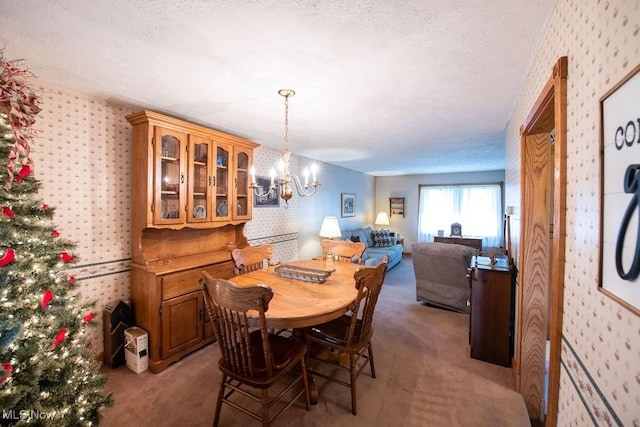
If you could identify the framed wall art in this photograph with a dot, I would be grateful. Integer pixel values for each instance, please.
(264, 199)
(620, 192)
(348, 203)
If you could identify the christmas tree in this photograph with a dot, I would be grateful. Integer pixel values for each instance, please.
(49, 375)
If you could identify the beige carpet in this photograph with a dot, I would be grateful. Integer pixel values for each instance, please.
(425, 377)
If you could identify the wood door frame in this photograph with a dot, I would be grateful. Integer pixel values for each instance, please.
(549, 112)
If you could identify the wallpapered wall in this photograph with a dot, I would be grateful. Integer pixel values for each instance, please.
(600, 369)
(82, 157)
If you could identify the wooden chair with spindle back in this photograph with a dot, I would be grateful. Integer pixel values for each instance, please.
(351, 334)
(251, 258)
(251, 357)
(343, 250)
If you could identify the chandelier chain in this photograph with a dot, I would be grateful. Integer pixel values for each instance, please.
(286, 122)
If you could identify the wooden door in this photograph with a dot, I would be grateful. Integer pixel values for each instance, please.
(169, 178)
(242, 200)
(200, 183)
(182, 323)
(223, 181)
(540, 259)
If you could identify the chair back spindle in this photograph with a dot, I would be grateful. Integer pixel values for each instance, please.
(227, 305)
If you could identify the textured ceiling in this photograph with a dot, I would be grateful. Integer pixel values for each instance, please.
(387, 87)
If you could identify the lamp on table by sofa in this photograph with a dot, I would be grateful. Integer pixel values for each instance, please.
(382, 219)
(330, 227)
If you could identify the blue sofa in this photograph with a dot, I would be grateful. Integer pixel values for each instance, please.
(374, 254)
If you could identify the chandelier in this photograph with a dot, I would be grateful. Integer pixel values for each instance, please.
(285, 180)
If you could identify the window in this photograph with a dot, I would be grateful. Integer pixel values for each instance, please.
(478, 208)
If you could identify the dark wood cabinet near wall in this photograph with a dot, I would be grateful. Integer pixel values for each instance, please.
(492, 314)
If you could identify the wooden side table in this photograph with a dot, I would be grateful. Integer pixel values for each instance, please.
(491, 326)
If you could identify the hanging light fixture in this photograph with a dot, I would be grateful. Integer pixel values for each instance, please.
(285, 180)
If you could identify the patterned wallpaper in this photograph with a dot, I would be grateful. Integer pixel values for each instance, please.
(600, 360)
(82, 157)
(281, 230)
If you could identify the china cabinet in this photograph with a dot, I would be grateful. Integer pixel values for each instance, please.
(190, 200)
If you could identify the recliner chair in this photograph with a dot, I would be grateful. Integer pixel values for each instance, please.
(443, 274)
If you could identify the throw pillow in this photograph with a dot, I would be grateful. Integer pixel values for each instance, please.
(382, 238)
(355, 238)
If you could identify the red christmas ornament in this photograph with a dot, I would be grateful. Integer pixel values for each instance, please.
(65, 257)
(46, 299)
(88, 317)
(61, 335)
(71, 280)
(7, 370)
(45, 206)
(8, 257)
(7, 211)
(55, 233)
(25, 171)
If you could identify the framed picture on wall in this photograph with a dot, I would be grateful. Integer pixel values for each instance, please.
(348, 203)
(620, 197)
(264, 199)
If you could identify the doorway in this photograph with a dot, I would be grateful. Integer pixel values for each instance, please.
(542, 247)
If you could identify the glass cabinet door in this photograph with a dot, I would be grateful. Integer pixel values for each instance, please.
(200, 179)
(223, 155)
(169, 179)
(242, 197)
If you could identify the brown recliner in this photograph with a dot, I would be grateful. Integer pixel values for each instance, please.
(442, 274)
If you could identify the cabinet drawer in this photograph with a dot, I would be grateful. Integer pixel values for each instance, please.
(176, 284)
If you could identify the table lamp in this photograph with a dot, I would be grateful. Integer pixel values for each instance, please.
(382, 219)
(330, 227)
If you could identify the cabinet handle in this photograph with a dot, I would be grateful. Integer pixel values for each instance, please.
(210, 180)
(181, 177)
(236, 183)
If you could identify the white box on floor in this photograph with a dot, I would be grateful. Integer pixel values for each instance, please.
(136, 349)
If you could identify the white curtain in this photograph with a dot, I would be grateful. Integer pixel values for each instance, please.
(478, 208)
(436, 210)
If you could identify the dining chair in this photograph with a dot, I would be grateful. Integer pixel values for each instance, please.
(350, 334)
(343, 250)
(252, 359)
(251, 258)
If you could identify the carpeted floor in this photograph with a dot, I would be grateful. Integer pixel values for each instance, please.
(425, 377)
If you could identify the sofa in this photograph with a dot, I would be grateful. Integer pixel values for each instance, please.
(378, 243)
(442, 274)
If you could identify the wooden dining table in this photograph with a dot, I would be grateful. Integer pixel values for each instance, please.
(298, 303)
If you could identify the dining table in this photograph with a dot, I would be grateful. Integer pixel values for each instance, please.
(299, 303)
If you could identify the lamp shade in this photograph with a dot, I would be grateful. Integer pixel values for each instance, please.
(330, 227)
(382, 219)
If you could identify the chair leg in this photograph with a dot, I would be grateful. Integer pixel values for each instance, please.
(216, 417)
(371, 364)
(305, 380)
(352, 371)
(265, 407)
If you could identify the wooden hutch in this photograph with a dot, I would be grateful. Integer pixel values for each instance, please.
(190, 200)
